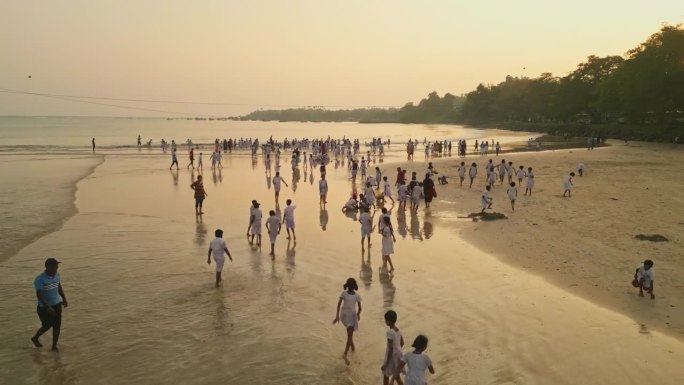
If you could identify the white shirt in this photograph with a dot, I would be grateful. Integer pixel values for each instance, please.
(512, 193)
(273, 223)
(351, 204)
(417, 365)
(647, 275)
(276, 183)
(461, 171)
(217, 246)
(288, 213)
(366, 221)
(349, 301)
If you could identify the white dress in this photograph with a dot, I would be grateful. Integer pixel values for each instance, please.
(386, 190)
(567, 183)
(392, 367)
(387, 241)
(348, 316)
(417, 366)
(485, 200)
(530, 180)
(256, 224)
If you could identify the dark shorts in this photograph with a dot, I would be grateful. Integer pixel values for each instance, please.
(199, 200)
(48, 320)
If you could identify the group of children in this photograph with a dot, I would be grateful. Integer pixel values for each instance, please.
(413, 365)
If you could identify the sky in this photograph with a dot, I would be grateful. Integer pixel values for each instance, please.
(253, 54)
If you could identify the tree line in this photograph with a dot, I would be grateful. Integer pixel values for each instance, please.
(640, 95)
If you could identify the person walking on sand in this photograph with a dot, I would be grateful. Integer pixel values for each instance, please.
(580, 168)
(273, 227)
(644, 278)
(417, 363)
(472, 173)
(288, 219)
(93, 144)
(254, 227)
(520, 174)
(567, 185)
(512, 193)
(461, 172)
(403, 193)
(51, 299)
(485, 200)
(192, 158)
(530, 181)
(216, 248)
(323, 191)
(388, 240)
(502, 170)
(174, 159)
(348, 314)
(277, 179)
(199, 162)
(393, 354)
(200, 194)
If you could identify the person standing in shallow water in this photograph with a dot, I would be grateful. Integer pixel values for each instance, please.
(347, 314)
(51, 299)
(200, 194)
(217, 247)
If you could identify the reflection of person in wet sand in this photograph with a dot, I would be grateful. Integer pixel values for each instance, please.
(323, 216)
(347, 314)
(366, 273)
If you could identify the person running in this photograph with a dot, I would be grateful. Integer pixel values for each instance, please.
(393, 354)
(491, 177)
(417, 363)
(567, 185)
(502, 170)
(192, 158)
(509, 172)
(254, 227)
(388, 240)
(200, 194)
(530, 181)
(512, 193)
(51, 299)
(174, 159)
(273, 227)
(288, 218)
(346, 313)
(644, 278)
(277, 179)
(323, 190)
(472, 173)
(216, 248)
(485, 200)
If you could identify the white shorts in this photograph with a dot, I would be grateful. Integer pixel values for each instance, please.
(365, 232)
(219, 263)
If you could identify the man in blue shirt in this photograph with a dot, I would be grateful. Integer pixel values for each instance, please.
(50, 300)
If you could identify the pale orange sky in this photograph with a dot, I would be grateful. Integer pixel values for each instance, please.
(263, 53)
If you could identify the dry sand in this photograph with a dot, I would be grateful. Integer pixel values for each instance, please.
(586, 244)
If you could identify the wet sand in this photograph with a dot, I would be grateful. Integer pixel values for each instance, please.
(143, 308)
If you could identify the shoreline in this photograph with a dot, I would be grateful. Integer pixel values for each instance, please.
(553, 237)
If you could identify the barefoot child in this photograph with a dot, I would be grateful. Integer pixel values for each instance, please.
(388, 240)
(461, 172)
(273, 227)
(417, 363)
(277, 179)
(216, 248)
(288, 219)
(520, 174)
(386, 191)
(346, 313)
(567, 184)
(366, 225)
(644, 278)
(323, 190)
(390, 366)
(485, 200)
(472, 173)
(530, 181)
(512, 195)
(200, 194)
(255, 222)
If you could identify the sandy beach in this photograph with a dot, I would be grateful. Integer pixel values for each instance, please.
(143, 308)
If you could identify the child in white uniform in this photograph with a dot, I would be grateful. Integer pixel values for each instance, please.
(346, 313)
(388, 240)
(530, 181)
(472, 173)
(512, 193)
(567, 184)
(417, 363)
(366, 226)
(273, 226)
(485, 200)
(461, 172)
(393, 354)
(386, 191)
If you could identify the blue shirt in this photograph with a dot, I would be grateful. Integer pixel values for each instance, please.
(48, 288)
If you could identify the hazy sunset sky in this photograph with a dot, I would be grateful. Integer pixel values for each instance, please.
(261, 53)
